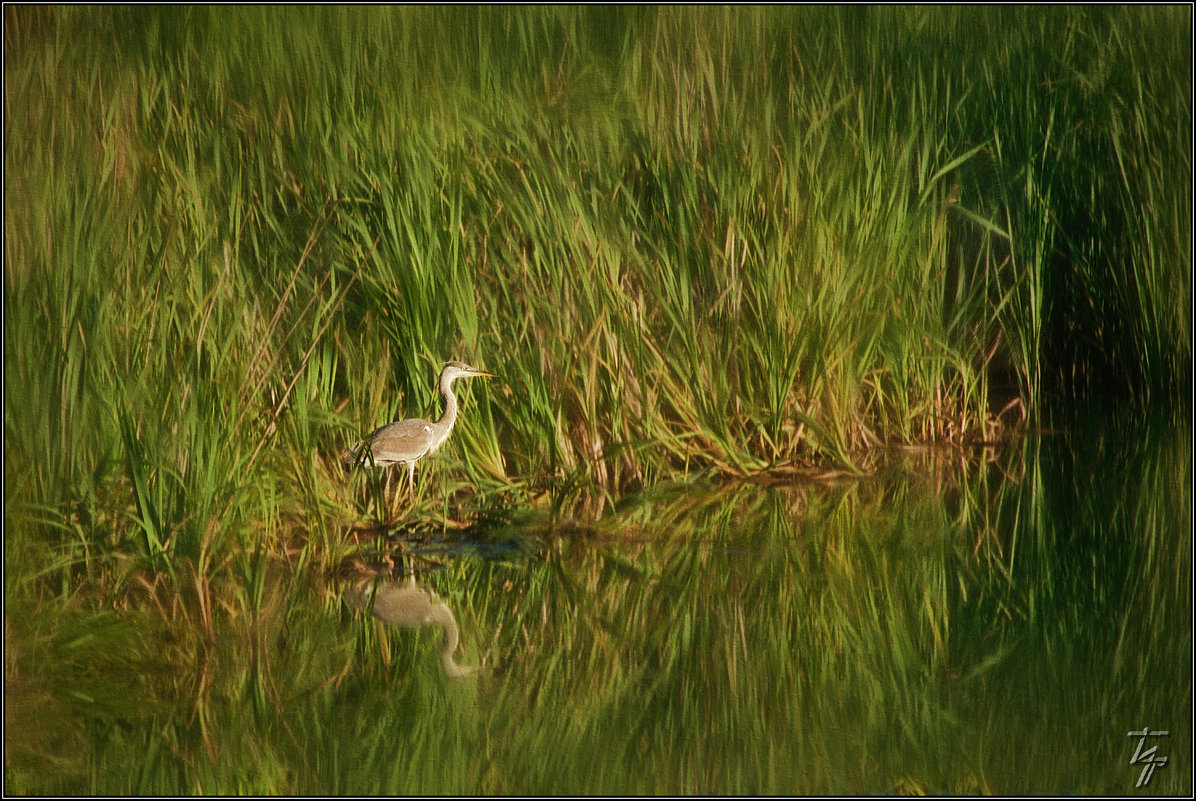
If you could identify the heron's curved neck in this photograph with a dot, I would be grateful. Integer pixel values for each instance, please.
(450, 400)
(449, 416)
(442, 616)
(451, 637)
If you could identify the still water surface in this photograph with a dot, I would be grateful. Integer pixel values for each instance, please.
(959, 624)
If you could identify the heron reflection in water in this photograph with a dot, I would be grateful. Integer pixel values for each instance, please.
(407, 605)
(408, 441)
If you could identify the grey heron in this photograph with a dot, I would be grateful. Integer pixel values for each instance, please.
(408, 441)
(410, 606)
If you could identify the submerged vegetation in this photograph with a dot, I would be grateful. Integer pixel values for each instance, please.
(692, 242)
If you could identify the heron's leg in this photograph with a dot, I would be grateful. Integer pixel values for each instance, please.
(386, 487)
(411, 477)
(388, 496)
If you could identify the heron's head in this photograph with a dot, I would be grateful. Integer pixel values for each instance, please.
(454, 370)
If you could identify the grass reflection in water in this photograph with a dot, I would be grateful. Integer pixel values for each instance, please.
(892, 635)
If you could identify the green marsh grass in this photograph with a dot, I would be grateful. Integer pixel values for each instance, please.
(694, 243)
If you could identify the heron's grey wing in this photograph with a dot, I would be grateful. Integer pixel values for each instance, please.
(404, 441)
(407, 605)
